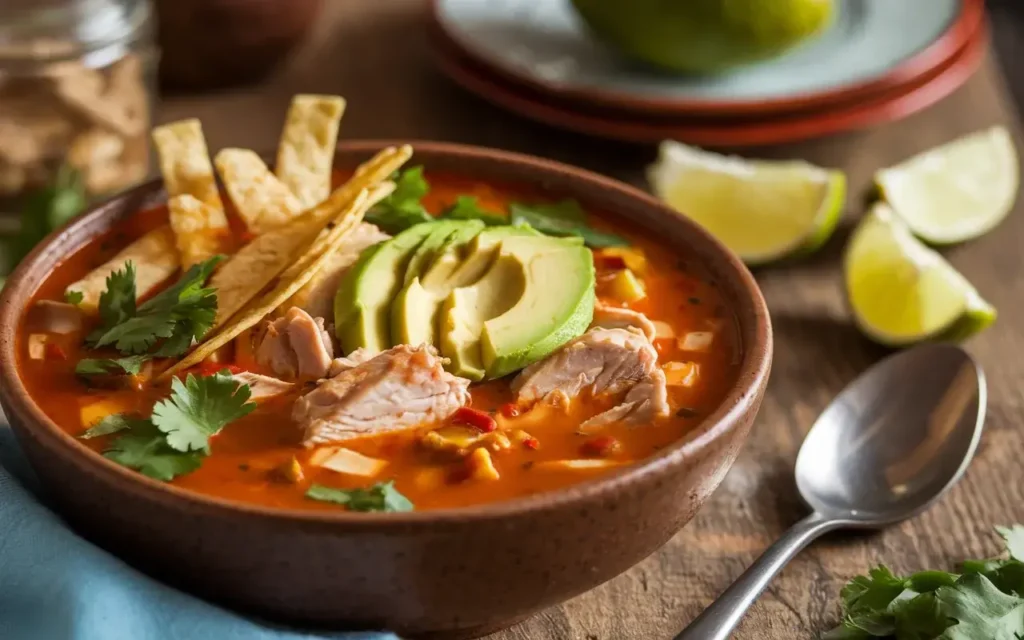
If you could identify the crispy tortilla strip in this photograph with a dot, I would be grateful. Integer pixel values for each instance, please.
(305, 153)
(262, 201)
(155, 259)
(249, 271)
(185, 162)
(199, 229)
(317, 297)
(286, 288)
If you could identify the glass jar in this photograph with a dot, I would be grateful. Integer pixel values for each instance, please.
(76, 89)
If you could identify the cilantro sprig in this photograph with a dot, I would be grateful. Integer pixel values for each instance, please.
(88, 367)
(382, 496)
(175, 316)
(404, 208)
(983, 601)
(176, 438)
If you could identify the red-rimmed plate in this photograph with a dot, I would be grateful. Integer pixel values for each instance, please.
(609, 124)
(874, 47)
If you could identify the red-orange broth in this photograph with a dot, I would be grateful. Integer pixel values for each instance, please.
(247, 452)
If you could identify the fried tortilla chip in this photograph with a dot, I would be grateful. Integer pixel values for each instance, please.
(155, 259)
(249, 271)
(286, 288)
(305, 153)
(262, 201)
(317, 297)
(200, 230)
(185, 162)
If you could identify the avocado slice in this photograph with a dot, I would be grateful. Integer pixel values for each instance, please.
(414, 313)
(466, 309)
(364, 296)
(557, 304)
(428, 249)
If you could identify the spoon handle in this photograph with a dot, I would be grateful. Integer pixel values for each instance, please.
(718, 620)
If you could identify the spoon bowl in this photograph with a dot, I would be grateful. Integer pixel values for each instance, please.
(895, 439)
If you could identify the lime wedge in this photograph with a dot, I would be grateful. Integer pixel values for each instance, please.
(957, 191)
(903, 292)
(762, 210)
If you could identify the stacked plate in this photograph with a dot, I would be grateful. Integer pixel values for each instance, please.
(880, 61)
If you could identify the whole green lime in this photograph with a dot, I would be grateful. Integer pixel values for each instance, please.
(705, 36)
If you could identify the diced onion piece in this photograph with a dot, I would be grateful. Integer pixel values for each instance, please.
(37, 346)
(317, 457)
(453, 437)
(626, 287)
(480, 465)
(632, 256)
(681, 374)
(93, 412)
(663, 331)
(352, 463)
(578, 464)
(697, 341)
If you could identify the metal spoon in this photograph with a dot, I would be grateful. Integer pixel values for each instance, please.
(889, 446)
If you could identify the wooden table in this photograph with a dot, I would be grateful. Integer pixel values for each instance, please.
(375, 54)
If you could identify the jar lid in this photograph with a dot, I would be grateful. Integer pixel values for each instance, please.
(96, 31)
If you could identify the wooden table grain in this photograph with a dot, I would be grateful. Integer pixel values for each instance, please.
(375, 53)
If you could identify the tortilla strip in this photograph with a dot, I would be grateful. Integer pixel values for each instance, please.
(155, 259)
(305, 153)
(286, 288)
(262, 201)
(317, 297)
(199, 229)
(249, 271)
(185, 162)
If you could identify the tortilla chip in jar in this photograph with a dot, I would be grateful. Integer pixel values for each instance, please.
(305, 153)
(154, 256)
(200, 230)
(262, 201)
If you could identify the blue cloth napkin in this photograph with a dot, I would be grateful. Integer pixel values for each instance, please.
(55, 585)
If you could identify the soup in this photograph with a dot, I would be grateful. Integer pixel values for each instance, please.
(452, 343)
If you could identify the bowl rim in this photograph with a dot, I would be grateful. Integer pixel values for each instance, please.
(750, 381)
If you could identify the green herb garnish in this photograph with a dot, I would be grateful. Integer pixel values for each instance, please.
(565, 218)
(110, 424)
(199, 408)
(176, 438)
(73, 297)
(380, 497)
(467, 208)
(104, 366)
(403, 208)
(984, 601)
(176, 315)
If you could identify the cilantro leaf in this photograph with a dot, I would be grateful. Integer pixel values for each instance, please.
(380, 497)
(178, 314)
(199, 408)
(110, 424)
(74, 297)
(467, 208)
(102, 366)
(919, 617)
(403, 208)
(565, 218)
(981, 610)
(145, 449)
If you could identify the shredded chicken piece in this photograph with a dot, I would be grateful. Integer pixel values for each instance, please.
(296, 346)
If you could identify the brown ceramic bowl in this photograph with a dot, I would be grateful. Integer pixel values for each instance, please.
(455, 573)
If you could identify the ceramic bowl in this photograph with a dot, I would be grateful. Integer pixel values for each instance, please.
(455, 573)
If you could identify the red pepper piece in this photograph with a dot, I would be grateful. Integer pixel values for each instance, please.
(53, 351)
(601, 446)
(476, 419)
(208, 368)
(532, 444)
(510, 410)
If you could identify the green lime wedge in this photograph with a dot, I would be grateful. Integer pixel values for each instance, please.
(955, 192)
(903, 292)
(762, 210)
